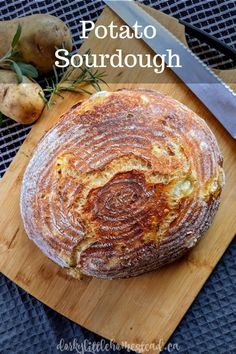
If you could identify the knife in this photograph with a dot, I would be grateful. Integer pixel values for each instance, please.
(215, 94)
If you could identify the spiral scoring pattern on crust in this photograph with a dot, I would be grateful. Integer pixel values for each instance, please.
(123, 184)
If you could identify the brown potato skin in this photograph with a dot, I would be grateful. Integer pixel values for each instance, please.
(41, 35)
(21, 102)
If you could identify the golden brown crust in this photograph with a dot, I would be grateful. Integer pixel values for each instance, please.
(123, 184)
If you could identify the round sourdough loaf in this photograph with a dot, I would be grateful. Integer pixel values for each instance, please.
(126, 182)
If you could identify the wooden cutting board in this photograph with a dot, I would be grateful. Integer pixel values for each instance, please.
(145, 309)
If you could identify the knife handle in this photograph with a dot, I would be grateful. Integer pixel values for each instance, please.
(209, 39)
(178, 29)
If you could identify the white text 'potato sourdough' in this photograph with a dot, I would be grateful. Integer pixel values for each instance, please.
(123, 184)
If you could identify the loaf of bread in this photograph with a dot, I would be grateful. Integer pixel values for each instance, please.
(126, 182)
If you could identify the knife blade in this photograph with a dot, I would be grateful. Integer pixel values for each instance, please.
(215, 94)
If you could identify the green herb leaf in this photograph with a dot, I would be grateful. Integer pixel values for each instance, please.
(43, 97)
(16, 37)
(28, 70)
(14, 53)
(72, 83)
(55, 74)
(15, 67)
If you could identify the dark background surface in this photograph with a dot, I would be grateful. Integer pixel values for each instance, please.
(28, 326)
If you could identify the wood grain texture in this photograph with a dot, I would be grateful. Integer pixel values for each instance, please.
(138, 310)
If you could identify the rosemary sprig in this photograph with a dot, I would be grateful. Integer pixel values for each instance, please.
(74, 82)
(8, 61)
(71, 80)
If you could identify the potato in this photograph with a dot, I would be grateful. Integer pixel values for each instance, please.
(41, 35)
(21, 102)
